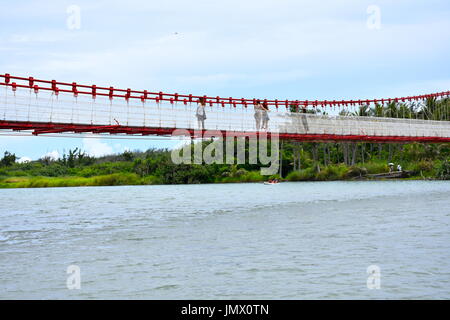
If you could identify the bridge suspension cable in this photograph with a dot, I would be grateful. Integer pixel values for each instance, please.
(143, 95)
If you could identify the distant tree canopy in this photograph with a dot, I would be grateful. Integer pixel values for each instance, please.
(74, 158)
(431, 109)
(8, 159)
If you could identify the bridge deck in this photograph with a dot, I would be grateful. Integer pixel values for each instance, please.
(46, 112)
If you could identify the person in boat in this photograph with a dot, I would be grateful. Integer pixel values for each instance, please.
(264, 115)
(399, 168)
(200, 113)
(258, 114)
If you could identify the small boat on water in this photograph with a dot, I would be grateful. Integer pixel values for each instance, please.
(271, 182)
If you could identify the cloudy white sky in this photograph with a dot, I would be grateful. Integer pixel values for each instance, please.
(249, 48)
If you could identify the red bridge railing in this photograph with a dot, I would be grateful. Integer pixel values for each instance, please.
(111, 92)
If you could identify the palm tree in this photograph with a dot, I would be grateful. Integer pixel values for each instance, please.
(363, 111)
(391, 110)
(378, 110)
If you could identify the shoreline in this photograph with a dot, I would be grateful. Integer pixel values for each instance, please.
(72, 182)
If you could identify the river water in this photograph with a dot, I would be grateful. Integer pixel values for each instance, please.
(228, 241)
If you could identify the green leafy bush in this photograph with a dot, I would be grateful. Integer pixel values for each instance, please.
(421, 166)
(443, 170)
(356, 171)
(332, 172)
(308, 174)
(376, 167)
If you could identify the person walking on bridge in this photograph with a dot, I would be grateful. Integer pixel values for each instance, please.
(200, 114)
(258, 114)
(265, 116)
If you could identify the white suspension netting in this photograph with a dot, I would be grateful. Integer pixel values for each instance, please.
(24, 105)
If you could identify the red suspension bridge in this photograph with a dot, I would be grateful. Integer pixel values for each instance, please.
(49, 106)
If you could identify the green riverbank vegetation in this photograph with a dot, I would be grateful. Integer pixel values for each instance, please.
(300, 162)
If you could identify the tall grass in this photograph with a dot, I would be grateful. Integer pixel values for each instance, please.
(332, 172)
(115, 179)
(375, 167)
(328, 173)
(308, 174)
(247, 176)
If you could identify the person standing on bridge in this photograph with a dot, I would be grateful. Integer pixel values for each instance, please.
(265, 116)
(200, 114)
(258, 114)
